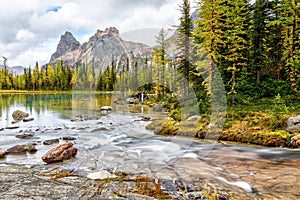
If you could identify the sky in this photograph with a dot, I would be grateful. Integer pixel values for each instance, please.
(31, 29)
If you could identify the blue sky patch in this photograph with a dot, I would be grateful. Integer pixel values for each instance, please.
(80, 33)
(54, 9)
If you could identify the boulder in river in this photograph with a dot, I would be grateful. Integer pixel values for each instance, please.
(17, 149)
(51, 141)
(60, 153)
(2, 154)
(295, 141)
(22, 148)
(293, 124)
(19, 115)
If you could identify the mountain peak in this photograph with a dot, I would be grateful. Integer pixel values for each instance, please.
(67, 43)
(108, 31)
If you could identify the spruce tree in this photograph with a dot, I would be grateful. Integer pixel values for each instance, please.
(235, 39)
(290, 18)
(183, 39)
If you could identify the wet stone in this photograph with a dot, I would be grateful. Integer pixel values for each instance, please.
(31, 148)
(28, 119)
(12, 127)
(69, 138)
(19, 115)
(60, 153)
(17, 149)
(50, 142)
(24, 136)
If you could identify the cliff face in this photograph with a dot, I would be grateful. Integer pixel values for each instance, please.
(99, 50)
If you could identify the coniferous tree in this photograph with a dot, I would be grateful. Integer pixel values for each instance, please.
(290, 21)
(235, 39)
(183, 40)
(161, 57)
(209, 34)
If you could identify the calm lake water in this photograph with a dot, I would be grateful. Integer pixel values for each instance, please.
(119, 141)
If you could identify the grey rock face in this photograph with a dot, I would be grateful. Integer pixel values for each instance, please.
(293, 124)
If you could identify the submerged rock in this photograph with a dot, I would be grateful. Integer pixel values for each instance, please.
(60, 153)
(293, 124)
(50, 142)
(295, 141)
(19, 115)
(24, 136)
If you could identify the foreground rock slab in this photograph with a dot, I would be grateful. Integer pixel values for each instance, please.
(60, 153)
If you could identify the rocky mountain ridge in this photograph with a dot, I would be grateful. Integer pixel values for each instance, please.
(99, 50)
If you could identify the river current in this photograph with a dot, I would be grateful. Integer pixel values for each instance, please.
(118, 141)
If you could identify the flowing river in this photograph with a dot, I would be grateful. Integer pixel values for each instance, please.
(118, 140)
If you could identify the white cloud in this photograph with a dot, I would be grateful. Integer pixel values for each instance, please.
(30, 31)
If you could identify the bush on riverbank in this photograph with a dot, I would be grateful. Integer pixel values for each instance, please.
(261, 122)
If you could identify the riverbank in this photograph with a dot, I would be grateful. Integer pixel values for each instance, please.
(262, 122)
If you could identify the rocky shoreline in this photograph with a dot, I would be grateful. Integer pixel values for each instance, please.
(22, 182)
